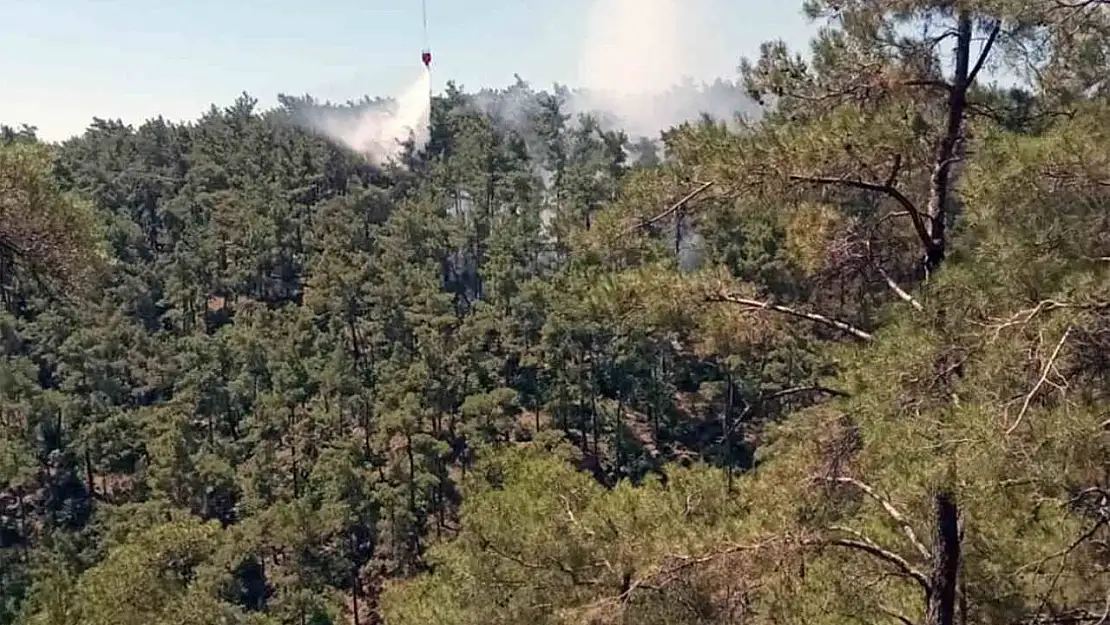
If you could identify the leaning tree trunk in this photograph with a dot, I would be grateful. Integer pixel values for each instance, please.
(941, 609)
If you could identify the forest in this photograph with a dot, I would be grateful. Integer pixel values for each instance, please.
(845, 362)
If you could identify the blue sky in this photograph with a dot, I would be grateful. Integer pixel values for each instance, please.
(64, 61)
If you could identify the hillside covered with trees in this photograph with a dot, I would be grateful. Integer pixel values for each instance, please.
(846, 363)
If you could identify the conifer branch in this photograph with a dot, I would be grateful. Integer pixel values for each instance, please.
(665, 575)
(550, 562)
(883, 189)
(863, 544)
(901, 618)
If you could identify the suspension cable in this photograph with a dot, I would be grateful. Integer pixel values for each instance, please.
(424, 8)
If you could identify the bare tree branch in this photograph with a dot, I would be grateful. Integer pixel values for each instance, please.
(786, 310)
(673, 209)
(891, 510)
(573, 519)
(898, 290)
(1070, 617)
(1079, 4)
(926, 82)
(805, 389)
(549, 563)
(1023, 317)
(1105, 611)
(890, 282)
(1040, 382)
(1063, 554)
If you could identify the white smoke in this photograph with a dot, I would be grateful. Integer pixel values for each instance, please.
(636, 68)
(637, 65)
(379, 130)
(634, 47)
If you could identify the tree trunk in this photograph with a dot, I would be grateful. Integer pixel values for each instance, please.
(90, 483)
(726, 426)
(941, 609)
(946, 151)
(355, 581)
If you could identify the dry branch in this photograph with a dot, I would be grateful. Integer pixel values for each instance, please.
(1023, 317)
(573, 519)
(673, 208)
(890, 282)
(801, 314)
(890, 509)
(898, 290)
(549, 563)
(673, 567)
(797, 390)
(1040, 382)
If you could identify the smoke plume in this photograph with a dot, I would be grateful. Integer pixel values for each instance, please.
(378, 130)
(637, 62)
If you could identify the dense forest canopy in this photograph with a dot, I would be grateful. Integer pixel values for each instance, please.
(846, 363)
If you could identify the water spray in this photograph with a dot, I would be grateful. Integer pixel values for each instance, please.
(379, 132)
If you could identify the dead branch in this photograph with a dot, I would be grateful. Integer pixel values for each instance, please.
(1063, 555)
(573, 519)
(797, 390)
(1064, 176)
(1078, 4)
(984, 109)
(786, 310)
(486, 544)
(673, 208)
(1105, 611)
(926, 82)
(890, 282)
(890, 509)
(1023, 317)
(1070, 617)
(898, 290)
(674, 566)
(1040, 382)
